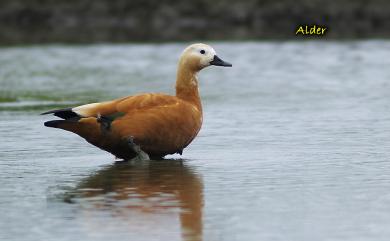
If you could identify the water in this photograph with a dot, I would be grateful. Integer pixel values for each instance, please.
(294, 146)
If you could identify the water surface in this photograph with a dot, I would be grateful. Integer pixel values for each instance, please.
(294, 146)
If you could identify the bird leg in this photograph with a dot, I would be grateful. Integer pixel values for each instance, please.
(141, 155)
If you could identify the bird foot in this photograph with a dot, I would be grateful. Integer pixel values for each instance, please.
(141, 155)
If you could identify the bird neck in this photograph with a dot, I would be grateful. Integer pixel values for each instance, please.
(187, 85)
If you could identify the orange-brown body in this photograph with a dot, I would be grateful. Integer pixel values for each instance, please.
(159, 124)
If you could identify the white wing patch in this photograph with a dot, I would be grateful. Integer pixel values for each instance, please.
(85, 110)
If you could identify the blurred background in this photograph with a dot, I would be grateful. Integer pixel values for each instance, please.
(84, 21)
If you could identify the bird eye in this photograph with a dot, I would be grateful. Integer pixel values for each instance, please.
(202, 51)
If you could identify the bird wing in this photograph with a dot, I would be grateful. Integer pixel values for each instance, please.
(116, 107)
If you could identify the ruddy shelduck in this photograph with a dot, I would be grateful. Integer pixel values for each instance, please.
(145, 125)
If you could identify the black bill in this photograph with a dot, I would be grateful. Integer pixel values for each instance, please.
(219, 62)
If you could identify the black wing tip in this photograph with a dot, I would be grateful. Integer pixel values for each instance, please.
(47, 112)
(56, 110)
(65, 113)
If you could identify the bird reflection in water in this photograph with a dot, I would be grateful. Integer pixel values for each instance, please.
(152, 191)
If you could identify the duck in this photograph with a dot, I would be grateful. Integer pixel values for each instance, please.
(146, 125)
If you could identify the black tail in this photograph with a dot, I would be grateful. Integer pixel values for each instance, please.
(53, 123)
(66, 113)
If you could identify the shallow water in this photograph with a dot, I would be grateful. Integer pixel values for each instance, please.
(294, 146)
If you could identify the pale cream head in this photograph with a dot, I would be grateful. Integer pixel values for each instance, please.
(198, 56)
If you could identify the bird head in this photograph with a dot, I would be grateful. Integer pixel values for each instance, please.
(198, 56)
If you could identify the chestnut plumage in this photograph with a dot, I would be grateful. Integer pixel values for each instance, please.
(156, 124)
